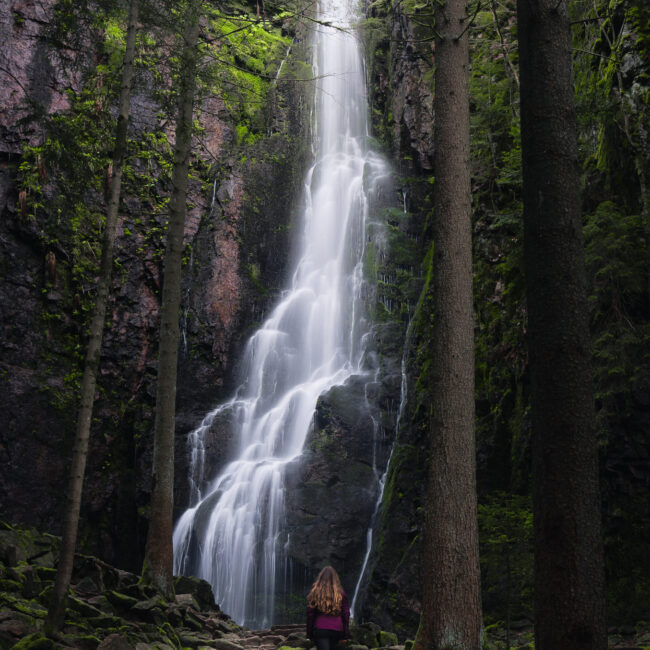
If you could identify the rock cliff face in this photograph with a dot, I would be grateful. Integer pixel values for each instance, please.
(238, 241)
(400, 62)
(332, 490)
(238, 238)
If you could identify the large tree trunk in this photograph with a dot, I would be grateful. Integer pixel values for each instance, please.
(569, 601)
(56, 611)
(158, 562)
(451, 614)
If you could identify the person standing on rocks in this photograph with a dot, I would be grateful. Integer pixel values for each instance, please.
(328, 611)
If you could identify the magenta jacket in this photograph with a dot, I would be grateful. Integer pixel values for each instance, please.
(340, 623)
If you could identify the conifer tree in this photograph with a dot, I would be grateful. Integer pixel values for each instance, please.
(451, 608)
(569, 600)
(56, 610)
(158, 562)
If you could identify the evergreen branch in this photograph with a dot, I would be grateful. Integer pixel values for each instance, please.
(503, 44)
(602, 56)
(13, 76)
(469, 23)
(303, 14)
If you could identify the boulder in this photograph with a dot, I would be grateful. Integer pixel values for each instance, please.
(366, 634)
(34, 641)
(120, 600)
(387, 639)
(81, 641)
(297, 640)
(186, 600)
(115, 642)
(13, 627)
(151, 610)
(332, 487)
(225, 644)
(199, 589)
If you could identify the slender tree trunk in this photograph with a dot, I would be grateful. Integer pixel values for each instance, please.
(158, 563)
(56, 612)
(451, 616)
(569, 600)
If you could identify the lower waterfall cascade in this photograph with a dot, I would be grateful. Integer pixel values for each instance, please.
(314, 339)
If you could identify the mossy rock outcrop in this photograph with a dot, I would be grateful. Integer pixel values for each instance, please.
(199, 589)
(366, 634)
(35, 641)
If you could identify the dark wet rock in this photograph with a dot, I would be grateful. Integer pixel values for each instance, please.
(225, 644)
(193, 620)
(332, 488)
(83, 608)
(365, 634)
(13, 627)
(35, 641)
(199, 589)
(297, 640)
(115, 642)
(120, 600)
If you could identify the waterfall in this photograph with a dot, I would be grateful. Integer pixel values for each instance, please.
(313, 339)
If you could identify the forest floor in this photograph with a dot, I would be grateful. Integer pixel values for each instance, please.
(109, 610)
(626, 638)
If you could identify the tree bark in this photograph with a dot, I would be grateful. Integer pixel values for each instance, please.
(569, 600)
(451, 616)
(56, 611)
(158, 562)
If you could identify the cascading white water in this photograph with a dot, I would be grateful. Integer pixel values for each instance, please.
(313, 339)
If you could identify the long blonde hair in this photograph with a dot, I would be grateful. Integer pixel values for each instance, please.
(326, 592)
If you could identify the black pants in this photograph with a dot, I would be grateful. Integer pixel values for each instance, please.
(327, 639)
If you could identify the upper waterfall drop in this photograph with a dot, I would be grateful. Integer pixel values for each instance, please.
(232, 535)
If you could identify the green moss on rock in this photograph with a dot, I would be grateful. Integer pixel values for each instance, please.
(387, 639)
(34, 641)
(121, 600)
(82, 641)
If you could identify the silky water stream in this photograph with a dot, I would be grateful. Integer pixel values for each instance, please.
(231, 535)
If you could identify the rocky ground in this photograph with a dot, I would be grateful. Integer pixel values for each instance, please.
(110, 610)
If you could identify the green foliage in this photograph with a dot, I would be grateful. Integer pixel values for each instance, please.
(244, 55)
(389, 265)
(495, 138)
(618, 266)
(506, 552)
(627, 564)
(499, 289)
(64, 180)
(613, 92)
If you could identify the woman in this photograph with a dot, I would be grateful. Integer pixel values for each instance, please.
(328, 611)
